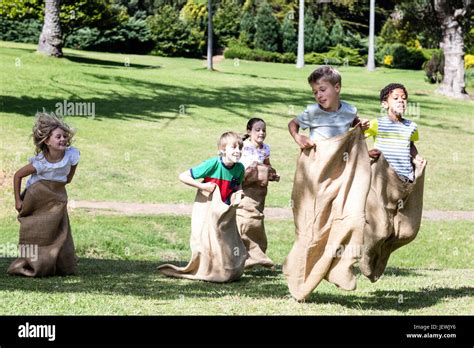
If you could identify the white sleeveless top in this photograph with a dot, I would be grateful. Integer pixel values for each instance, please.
(53, 171)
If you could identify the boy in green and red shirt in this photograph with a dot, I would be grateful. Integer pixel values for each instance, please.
(224, 171)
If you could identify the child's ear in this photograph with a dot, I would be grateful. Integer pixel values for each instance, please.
(385, 104)
(337, 87)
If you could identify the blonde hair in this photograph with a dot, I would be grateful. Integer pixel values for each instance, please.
(44, 126)
(228, 138)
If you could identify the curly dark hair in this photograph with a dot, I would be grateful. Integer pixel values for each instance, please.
(385, 92)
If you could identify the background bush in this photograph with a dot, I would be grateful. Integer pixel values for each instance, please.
(403, 57)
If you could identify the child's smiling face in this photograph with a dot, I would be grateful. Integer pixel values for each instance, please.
(58, 140)
(396, 102)
(326, 94)
(258, 132)
(232, 153)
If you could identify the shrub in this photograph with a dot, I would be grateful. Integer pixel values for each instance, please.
(133, 36)
(172, 36)
(267, 29)
(338, 55)
(237, 50)
(226, 22)
(27, 30)
(289, 35)
(434, 68)
(403, 57)
(247, 29)
(468, 61)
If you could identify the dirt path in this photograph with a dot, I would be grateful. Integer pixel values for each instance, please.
(185, 209)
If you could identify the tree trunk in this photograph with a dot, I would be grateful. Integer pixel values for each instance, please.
(453, 46)
(371, 59)
(209, 36)
(50, 41)
(300, 58)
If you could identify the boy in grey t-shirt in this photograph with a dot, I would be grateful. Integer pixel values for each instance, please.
(330, 116)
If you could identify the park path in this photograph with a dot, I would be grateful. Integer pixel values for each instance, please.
(124, 208)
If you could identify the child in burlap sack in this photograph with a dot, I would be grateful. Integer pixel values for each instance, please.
(218, 253)
(46, 245)
(395, 201)
(330, 187)
(258, 172)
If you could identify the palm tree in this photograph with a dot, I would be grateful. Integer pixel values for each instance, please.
(50, 41)
(209, 35)
(453, 47)
(371, 59)
(300, 58)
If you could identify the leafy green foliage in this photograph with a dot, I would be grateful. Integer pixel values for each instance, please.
(226, 22)
(338, 55)
(403, 57)
(289, 36)
(247, 29)
(267, 29)
(26, 30)
(172, 36)
(237, 50)
(337, 33)
(133, 36)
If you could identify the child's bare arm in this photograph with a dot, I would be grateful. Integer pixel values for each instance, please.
(364, 123)
(302, 140)
(19, 175)
(414, 153)
(71, 173)
(273, 176)
(186, 178)
(413, 150)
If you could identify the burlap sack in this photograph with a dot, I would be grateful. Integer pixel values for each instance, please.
(250, 216)
(393, 212)
(218, 254)
(329, 196)
(44, 224)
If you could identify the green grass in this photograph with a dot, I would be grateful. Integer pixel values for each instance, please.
(119, 255)
(139, 141)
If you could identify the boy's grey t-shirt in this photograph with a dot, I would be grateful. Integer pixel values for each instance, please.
(324, 124)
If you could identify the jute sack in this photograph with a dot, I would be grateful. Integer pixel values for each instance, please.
(46, 244)
(250, 216)
(329, 196)
(218, 254)
(393, 212)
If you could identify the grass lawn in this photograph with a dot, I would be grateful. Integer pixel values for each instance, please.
(119, 255)
(160, 116)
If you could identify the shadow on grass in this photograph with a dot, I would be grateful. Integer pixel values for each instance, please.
(107, 63)
(141, 279)
(153, 101)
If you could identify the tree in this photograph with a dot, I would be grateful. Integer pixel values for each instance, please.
(337, 33)
(309, 25)
(173, 37)
(209, 36)
(267, 29)
(226, 22)
(453, 46)
(300, 58)
(288, 34)
(247, 29)
(371, 56)
(51, 41)
(320, 37)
